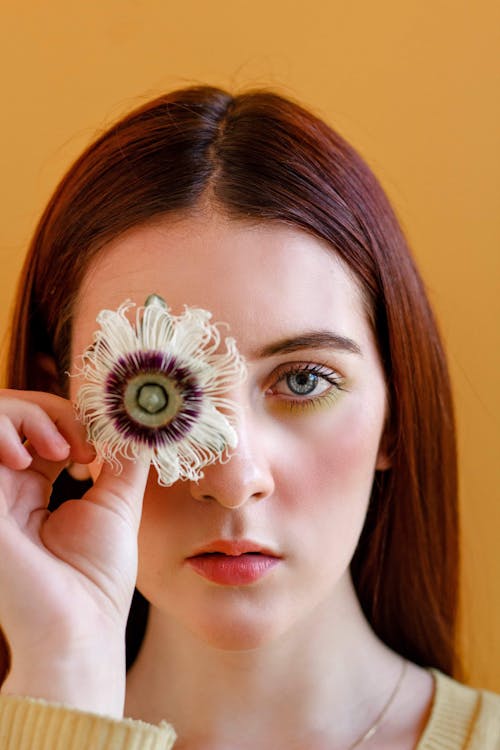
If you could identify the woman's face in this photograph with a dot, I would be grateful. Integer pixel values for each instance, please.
(299, 482)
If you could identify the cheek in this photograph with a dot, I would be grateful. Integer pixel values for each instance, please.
(159, 534)
(169, 529)
(334, 453)
(161, 515)
(325, 484)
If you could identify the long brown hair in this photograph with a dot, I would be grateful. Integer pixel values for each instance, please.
(259, 155)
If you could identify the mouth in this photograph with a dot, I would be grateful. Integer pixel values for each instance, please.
(234, 548)
(233, 562)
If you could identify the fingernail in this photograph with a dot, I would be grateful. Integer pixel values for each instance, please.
(61, 442)
(24, 452)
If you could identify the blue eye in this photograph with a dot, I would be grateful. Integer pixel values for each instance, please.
(299, 387)
(299, 379)
(302, 383)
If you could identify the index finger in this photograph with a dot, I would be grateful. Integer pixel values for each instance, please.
(33, 424)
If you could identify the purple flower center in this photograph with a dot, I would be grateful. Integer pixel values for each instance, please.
(152, 398)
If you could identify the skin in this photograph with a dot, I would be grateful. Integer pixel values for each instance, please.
(291, 656)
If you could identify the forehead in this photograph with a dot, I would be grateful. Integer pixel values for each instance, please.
(267, 280)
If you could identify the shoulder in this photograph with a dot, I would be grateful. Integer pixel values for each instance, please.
(461, 717)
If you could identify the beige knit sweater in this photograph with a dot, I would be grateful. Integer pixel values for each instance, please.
(461, 718)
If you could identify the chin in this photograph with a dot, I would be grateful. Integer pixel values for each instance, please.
(235, 635)
(235, 621)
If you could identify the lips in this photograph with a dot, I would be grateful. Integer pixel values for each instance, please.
(233, 562)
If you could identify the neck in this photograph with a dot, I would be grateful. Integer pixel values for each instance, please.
(299, 685)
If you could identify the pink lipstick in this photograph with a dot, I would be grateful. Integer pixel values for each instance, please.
(233, 562)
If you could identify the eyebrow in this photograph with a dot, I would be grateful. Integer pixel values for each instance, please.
(309, 340)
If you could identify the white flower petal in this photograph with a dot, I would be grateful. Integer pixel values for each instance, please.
(119, 352)
(166, 462)
(156, 328)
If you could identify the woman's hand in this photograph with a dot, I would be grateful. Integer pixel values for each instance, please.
(66, 577)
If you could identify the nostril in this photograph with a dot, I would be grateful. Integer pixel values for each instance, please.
(259, 495)
(206, 498)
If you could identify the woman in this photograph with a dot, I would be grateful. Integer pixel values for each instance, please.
(304, 592)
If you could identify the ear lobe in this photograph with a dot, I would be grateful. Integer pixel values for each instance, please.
(46, 375)
(384, 460)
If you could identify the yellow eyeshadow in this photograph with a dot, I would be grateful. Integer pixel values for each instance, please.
(306, 405)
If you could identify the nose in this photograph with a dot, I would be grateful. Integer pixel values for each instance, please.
(245, 476)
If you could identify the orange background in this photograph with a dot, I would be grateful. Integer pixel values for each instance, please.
(414, 85)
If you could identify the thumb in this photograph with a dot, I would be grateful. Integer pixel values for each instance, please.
(122, 490)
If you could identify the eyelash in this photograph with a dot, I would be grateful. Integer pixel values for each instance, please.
(298, 404)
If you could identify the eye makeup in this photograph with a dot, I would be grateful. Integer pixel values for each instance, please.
(307, 387)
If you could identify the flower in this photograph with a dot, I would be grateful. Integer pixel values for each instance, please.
(155, 389)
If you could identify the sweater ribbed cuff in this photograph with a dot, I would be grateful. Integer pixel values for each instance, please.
(35, 724)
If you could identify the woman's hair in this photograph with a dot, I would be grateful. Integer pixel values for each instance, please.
(260, 156)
